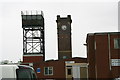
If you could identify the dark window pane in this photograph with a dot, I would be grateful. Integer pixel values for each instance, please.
(50, 71)
(117, 43)
(69, 71)
(46, 70)
(24, 73)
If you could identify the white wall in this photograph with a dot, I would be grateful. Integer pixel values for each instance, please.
(76, 72)
(119, 16)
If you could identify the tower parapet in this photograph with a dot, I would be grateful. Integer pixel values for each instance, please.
(32, 19)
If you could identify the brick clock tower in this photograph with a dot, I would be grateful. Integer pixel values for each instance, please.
(64, 37)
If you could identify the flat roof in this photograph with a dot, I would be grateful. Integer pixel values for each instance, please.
(102, 33)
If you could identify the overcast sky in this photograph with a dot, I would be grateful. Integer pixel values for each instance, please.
(88, 16)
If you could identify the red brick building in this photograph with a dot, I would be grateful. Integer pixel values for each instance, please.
(59, 69)
(56, 69)
(103, 55)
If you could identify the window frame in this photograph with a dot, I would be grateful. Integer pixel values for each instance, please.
(48, 71)
(116, 43)
(71, 70)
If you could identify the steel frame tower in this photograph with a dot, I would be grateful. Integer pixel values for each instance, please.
(33, 33)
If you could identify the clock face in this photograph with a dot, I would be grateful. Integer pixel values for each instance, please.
(64, 27)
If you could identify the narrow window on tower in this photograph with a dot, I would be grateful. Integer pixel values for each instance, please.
(64, 57)
(117, 43)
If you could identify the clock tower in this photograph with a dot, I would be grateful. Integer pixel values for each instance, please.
(64, 37)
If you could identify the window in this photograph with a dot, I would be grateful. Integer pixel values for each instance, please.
(25, 74)
(48, 70)
(64, 57)
(117, 43)
(69, 71)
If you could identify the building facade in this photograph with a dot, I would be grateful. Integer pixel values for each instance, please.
(62, 69)
(103, 55)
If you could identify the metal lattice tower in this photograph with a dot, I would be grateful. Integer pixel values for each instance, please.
(33, 32)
